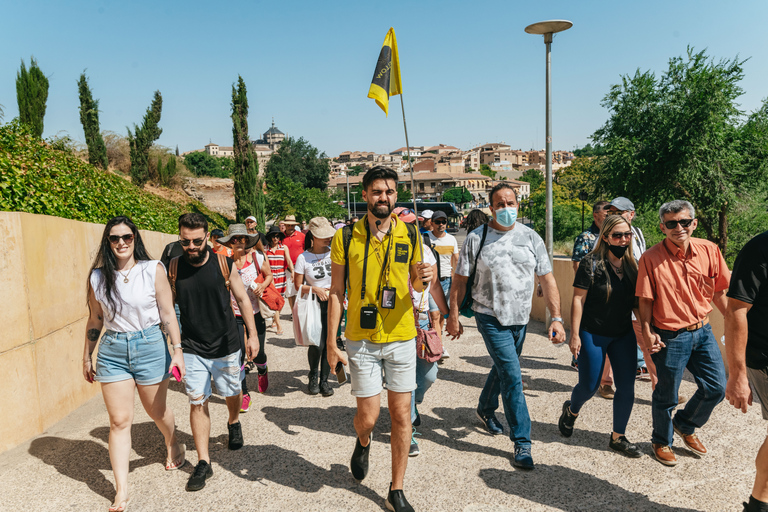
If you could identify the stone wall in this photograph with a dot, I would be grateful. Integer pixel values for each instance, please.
(564, 273)
(44, 264)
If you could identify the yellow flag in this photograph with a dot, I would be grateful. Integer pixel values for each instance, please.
(386, 77)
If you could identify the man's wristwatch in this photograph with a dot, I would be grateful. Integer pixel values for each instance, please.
(557, 319)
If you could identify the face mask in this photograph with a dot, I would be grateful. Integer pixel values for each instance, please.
(506, 216)
(618, 250)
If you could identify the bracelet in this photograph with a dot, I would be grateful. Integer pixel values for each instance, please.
(174, 347)
(557, 319)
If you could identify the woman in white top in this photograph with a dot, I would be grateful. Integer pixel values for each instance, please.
(314, 267)
(129, 295)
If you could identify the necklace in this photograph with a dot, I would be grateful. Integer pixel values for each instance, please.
(619, 270)
(125, 276)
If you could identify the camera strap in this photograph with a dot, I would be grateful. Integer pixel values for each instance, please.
(365, 259)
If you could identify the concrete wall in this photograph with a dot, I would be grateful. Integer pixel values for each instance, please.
(44, 264)
(564, 273)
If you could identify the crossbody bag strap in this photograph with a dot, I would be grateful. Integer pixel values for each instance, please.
(224, 268)
(477, 257)
(173, 268)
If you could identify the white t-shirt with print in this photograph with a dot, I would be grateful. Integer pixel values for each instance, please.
(416, 296)
(446, 246)
(316, 268)
(503, 284)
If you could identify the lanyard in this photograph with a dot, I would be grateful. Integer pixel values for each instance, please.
(365, 259)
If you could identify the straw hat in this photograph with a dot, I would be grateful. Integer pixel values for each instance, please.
(239, 230)
(290, 219)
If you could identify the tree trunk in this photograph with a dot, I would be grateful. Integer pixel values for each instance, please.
(723, 228)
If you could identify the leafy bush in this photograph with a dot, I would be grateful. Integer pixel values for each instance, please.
(35, 178)
(203, 164)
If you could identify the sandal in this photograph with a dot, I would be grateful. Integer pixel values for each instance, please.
(122, 507)
(179, 461)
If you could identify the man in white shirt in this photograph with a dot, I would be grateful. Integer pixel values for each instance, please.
(448, 250)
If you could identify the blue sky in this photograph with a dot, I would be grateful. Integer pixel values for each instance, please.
(470, 73)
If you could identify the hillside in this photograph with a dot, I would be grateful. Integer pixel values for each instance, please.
(36, 178)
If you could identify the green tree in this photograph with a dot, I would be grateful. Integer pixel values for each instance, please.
(249, 197)
(403, 194)
(458, 195)
(141, 141)
(286, 197)
(533, 176)
(167, 172)
(355, 170)
(485, 170)
(89, 118)
(32, 95)
(682, 136)
(200, 163)
(299, 161)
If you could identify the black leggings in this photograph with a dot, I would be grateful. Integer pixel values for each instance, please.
(319, 355)
(261, 331)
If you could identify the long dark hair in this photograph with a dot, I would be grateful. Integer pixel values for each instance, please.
(106, 262)
(475, 219)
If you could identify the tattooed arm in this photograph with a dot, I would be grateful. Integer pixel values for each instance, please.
(92, 331)
(168, 319)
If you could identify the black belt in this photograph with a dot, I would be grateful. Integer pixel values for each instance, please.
(694, 327)
(445, 278)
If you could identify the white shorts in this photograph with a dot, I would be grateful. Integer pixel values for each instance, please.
(368, 360)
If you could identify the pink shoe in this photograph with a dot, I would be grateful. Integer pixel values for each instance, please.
(246, 403)
(263, 379)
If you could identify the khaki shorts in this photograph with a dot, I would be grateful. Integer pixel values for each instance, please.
(758, 379)
(371, 364)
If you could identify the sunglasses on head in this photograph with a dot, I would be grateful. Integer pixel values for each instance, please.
(619, 236)
(672, 224)
(196, 242)
(125, 238)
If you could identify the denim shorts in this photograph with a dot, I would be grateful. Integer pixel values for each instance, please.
(225, 372)
(140, 355)
(367, 359)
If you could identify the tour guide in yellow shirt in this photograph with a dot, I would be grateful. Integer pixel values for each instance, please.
(380, 324)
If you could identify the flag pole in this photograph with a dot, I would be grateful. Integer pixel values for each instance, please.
(413, 186)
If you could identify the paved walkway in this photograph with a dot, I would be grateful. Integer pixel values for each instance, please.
(298, 447)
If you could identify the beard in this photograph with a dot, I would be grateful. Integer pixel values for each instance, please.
(380, 210)
(197, 258)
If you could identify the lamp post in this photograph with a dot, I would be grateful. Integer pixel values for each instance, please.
(349, 213)
(583, 196)
(547, 28)
(354, 203)
(530, 212)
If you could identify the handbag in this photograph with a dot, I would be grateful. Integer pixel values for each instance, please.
(429, 346)
(270, 296)
(466, 304)
(309, 319)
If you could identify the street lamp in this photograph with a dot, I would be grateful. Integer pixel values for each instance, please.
(547, 28)
(354, 203)
(583, 197)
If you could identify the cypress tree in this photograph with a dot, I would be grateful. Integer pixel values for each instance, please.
(169, 172)
(89, 117)
(141, 141)
(249, 198)
(177, 150)
(32, 95)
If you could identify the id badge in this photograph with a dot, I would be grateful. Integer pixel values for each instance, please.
(388, 297)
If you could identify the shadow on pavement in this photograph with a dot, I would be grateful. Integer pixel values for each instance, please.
(288, 468)
(335, 420)
(147, 442)
(568, 489)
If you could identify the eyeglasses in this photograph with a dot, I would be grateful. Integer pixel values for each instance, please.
(619, 236)
(196, 242)
(672, 224)
(128, 239)
(442, 221)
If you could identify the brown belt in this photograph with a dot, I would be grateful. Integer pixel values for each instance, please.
(692, 327)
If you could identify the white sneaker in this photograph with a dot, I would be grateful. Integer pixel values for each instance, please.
(445, 355)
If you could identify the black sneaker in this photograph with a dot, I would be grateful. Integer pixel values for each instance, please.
(359, 463)
(203, 471)
(567, 420)
(235, 436)
(523, 459)
(325, 388)
(396, 501)
(417, 421)
(622, 445)
(313, 387)
(490, 423)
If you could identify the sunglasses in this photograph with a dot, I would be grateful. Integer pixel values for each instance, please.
(239, 239)
(616, 212)
(128, 239)
(442, 221)
(619, 236)
(672, 224)
(196, 242)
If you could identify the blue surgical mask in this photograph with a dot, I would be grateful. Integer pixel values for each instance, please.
(506, 216)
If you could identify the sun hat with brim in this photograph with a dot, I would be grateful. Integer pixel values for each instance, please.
(405, 214)
(321, 228)
(290, 219)
(239, 230)
(275, 231)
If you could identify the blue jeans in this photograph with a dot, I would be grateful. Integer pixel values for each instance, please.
(621, 352)
(504, 344)
(426, 375)
(697, 351)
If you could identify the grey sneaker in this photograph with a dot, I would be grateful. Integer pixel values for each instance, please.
(523, 459)
(413, 451)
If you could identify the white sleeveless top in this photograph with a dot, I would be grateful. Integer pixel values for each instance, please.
(138, 310)
(249, 273)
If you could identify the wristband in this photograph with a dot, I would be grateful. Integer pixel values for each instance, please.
(557, 319)
(174, 347)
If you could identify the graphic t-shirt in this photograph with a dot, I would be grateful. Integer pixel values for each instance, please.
(445, 246)
(503, 284)
(749, 283)
(208, 324)
(316, 268)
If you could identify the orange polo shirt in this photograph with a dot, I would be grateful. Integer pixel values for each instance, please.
(681, 285)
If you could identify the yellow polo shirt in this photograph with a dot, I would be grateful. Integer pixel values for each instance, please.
(391, 324)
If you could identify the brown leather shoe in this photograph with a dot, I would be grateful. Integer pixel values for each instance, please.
(664, 454)
(681, 398)
(606, 392)
(692, 442)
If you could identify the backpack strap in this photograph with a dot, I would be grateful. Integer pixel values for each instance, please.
(346, 238)
(173, 270)
(224, 268)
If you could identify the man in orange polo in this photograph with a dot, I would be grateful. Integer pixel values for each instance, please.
(676, 282)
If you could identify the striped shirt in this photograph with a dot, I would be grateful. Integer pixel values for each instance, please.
(279, 265)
